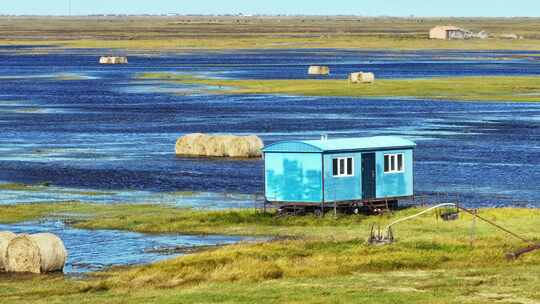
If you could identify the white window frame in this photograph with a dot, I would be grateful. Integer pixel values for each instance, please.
(346, 166)
(393, 160)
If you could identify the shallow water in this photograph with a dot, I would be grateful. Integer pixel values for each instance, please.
(90, 250)
(103, 129)
(185, 199)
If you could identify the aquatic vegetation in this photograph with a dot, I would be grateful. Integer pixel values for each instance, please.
(58, 76)
(183, 193)
(511, 89)
(27, 212)
(30, 110)
(46, 187)
(18, 187)
(71, 76)
(167, 76)
(88, 193)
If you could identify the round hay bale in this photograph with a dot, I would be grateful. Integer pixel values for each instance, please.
(355, 77)
(5, 238)
(247, 146)
(318, 70)
(215, 145)
(191, 144)
(198, 144)
(36, 253)
(362, 77)
(113, 60)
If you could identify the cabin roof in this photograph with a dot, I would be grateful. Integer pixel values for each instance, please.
(341, 144)
(447, 28)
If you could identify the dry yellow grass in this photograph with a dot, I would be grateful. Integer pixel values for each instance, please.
(325, 260)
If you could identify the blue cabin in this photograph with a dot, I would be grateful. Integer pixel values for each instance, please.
(359, 170)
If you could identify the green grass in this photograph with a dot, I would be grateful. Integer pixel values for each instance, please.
(233, 32)
(493, 88)
(337, 41)
(27, 212)
(319, 261)
(167, 219)
(16, 187)
(513, 285)
(69, 77)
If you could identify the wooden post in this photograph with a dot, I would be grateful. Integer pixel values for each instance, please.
(264, 185)
(473, 228)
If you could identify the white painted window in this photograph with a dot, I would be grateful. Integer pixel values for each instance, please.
(394, 163)
(342, 166)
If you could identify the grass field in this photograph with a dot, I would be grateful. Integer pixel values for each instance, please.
(312, 261)
(233, 32)
(512, 89)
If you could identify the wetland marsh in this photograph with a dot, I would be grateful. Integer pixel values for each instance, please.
(115, 141)
(87, 152)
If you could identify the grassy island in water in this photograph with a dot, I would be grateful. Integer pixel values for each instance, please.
(493, 88)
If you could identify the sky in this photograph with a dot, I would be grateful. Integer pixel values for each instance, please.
(434, 8)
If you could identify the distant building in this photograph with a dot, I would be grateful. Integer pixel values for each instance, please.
(448, 32)
(510, 36)
(481, 35)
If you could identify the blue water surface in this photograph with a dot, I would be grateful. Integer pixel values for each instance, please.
(70, 122)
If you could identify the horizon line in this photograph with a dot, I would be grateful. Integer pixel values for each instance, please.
(262, 15)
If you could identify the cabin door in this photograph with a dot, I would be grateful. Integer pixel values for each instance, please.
(368, 176)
